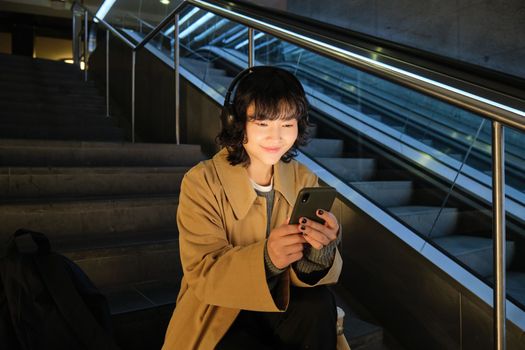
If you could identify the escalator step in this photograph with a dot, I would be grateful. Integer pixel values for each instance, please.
(324, 148)
(350, 169)
(423, 219)
(475, 252)
(386, 193)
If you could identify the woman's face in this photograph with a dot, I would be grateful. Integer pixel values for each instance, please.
(268, 140)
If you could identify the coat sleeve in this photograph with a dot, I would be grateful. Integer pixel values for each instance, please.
(218, 273)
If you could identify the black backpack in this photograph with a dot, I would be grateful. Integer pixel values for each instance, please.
(47, 301)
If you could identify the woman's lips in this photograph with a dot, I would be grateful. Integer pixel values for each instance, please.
(271, 149)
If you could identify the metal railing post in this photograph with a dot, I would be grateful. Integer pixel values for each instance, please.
(75, 37)
(133, 60)
(251, 51)
(498, 227)
(86, 17)
(107, 73)
(176, 59)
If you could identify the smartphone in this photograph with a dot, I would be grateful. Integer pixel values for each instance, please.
(309, 200)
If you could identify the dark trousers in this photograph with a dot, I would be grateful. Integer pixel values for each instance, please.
(308, 323)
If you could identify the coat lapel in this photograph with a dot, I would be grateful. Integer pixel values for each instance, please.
(236, 184)
(284, 181)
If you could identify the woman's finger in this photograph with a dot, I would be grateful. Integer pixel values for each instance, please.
(329, 218)
(320, 237)
(323, 229)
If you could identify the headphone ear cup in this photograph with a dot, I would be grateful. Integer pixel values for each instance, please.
(228, 116)
(231, 119)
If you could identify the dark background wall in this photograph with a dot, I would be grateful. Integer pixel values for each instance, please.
(488, 33)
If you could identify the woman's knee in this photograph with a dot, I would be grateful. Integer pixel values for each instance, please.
(318, 302)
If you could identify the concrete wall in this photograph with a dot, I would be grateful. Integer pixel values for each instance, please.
(489, 33)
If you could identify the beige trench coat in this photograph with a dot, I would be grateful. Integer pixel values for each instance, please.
(222, 232)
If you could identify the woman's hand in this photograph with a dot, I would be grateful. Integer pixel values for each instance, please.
(319, 235)
(285, 245)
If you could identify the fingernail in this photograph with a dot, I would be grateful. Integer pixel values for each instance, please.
(303, 221)
(320, 211)
(303, 228)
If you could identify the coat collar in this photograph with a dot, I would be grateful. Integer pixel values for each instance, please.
(239, 190)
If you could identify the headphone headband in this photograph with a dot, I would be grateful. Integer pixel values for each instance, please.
(228, 113)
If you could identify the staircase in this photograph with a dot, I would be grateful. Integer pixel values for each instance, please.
(109, 205)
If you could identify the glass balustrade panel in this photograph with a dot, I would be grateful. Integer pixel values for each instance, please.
(208, 50)
(425, 162)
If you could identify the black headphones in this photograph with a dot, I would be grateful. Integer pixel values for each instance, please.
(228, 115)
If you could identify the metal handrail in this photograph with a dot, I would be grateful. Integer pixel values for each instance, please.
(108, 26)
(162, 24)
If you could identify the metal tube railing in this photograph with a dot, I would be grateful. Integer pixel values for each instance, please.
(251, 48)
(498, 228)
(493, 110)
(176, 59)
(107, 72)
(86, 45)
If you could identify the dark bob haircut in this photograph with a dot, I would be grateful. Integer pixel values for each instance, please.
(276, 94)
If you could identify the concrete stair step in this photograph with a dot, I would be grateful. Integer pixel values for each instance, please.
(386, 193)
(360, 334)
(37, 63)
(475, 252)
(31, 74)
(324, 148)
(47, 182)
(52, 119)
(350, 169)
(86, 133)
(52, 98)
(47, 67)
(423, 218)
(63, 107)
(49, 89)
(129, 258)
(36, 78)
(82, 153)
(60, 219)
(141, 313)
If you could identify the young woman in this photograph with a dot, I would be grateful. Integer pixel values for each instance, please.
(251, 280)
